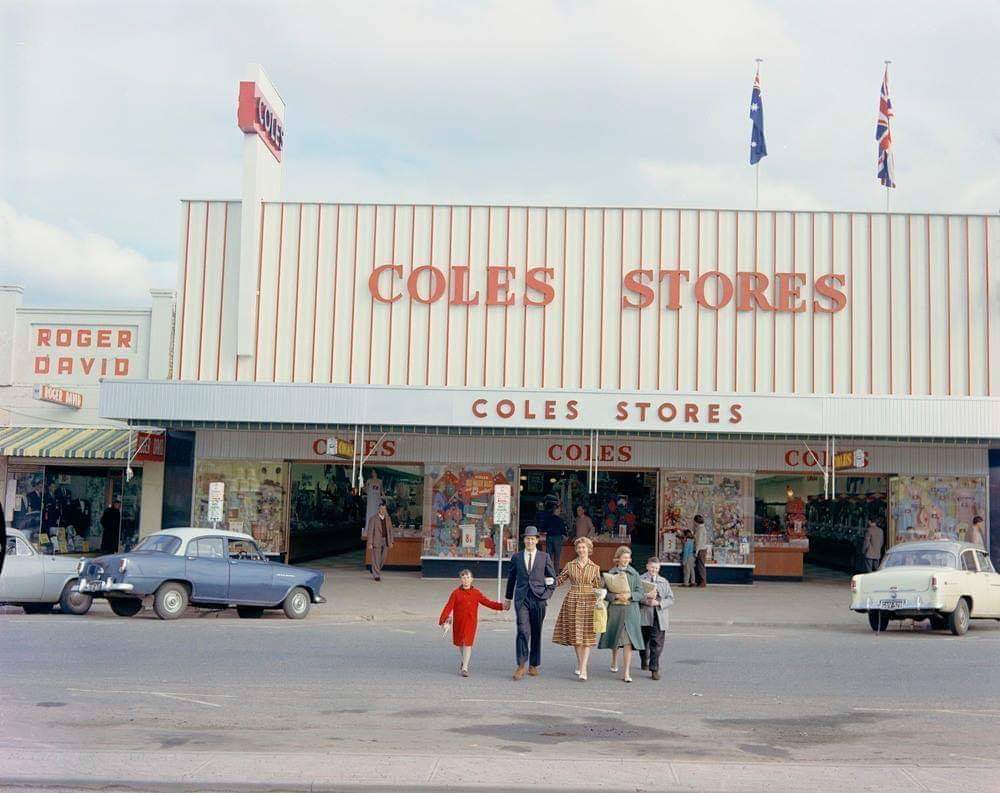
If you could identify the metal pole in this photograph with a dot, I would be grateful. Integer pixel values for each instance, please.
(756, 187)
(361, 461)
(499, 560)
(833, 471)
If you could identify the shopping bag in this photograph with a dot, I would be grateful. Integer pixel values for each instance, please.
(617, 583)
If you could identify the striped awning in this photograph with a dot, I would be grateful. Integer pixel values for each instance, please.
(81, 443)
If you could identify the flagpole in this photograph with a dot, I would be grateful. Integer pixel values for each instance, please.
(756, 178)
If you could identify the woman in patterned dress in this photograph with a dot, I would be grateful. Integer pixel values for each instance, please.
(575, 623)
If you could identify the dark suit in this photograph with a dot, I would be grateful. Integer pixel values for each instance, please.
(529, 593)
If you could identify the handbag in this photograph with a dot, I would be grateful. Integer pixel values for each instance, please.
(600, 612)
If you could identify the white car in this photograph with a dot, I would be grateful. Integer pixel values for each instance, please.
(948, 582)
(36, 582)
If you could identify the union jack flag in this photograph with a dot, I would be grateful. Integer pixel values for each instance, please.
(884, 135)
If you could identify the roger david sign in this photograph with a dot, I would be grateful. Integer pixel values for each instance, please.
(58, 396)
(83, 353)
(256, 116)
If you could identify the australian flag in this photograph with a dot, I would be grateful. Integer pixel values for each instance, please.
(758, 148)
(884, 135)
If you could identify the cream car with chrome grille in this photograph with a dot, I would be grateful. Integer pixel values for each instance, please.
(948, 582)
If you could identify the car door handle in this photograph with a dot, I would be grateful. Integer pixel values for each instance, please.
(232, 561)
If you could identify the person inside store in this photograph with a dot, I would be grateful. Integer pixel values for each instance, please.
(975, 534)
(111, 525)
(555, 533)
(584, 525)
(531, 580)
(655, 619)
(624, 619)
(379, 538)
(575, 623)
(872, 548)
(701, 546)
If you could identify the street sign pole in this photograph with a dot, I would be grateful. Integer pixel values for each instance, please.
(501, 517)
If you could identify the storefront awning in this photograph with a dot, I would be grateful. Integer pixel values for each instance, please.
(81, 443)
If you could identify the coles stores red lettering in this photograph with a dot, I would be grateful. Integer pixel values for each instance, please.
(581, 453)
(713, 290)
(795, 458)
(387, 448)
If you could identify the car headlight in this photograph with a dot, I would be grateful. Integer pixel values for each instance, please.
(854, 584)
(122, 566)
(80, 565)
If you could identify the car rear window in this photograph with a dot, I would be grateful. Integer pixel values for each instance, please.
(919, 559)
(159, 543)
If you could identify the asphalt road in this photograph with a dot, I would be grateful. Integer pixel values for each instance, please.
(275, 685)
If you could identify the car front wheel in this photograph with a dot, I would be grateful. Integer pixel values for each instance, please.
(878, 619)
(171, 601)
(125, 607)
(958, 620)
(73, 601)
(296, 605)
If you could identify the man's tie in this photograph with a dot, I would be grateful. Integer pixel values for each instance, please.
(531, 560)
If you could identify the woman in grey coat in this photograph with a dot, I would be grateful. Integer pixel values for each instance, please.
(624, 622)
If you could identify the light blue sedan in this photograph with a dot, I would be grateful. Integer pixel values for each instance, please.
(206, 568)
(37, 582)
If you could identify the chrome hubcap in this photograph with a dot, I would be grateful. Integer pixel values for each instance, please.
(299, 602)
(172, 602)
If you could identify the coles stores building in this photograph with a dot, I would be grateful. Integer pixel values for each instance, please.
(636, 366)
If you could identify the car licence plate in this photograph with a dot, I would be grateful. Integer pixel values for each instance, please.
(892, 604)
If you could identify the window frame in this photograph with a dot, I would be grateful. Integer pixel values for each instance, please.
(196, 541)
(975, 561)
(251, 543)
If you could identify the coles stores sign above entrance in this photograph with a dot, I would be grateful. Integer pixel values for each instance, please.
(784, 292)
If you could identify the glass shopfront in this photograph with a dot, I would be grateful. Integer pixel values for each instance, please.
(936, 508)
(725, 501)
(75, 509)
(458, 500)
(254, 498)
(328, 517)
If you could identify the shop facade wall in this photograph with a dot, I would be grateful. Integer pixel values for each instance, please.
(151, 517)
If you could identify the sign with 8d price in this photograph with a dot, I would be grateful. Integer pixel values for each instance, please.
(501, 505)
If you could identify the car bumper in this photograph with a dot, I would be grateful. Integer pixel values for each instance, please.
(319, 599)
(98, 587)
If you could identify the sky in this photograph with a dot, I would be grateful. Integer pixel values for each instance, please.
(116, 111)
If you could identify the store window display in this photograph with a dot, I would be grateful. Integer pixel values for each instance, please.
(935, 507)
(327, 516)
(459, 506)
(254, 499)
(726, 503)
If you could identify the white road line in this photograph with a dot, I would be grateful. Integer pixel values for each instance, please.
(185, 699)
(518, 700)
(401, 630)
(165, 694)
(990, 714)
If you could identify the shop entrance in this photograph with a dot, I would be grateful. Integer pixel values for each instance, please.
(791, 507)
(621, 512)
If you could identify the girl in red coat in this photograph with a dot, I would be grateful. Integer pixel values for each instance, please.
(462, 613)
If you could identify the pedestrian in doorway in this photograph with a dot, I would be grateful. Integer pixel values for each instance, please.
(575, 623)
(584, 525)
(111, 527)
(872, 548)
(531, 580)
(461, 612)
(555, 534)
(655, 619)
(701, 546)
(379, 539)
(624, 620)
(687, 557)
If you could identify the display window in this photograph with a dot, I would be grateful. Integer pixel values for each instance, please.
(725, 501)
(253, 499)
(936, 508)
(621, 511)
(458, 502)
(792, 511)
(328, 516)
(76, 509)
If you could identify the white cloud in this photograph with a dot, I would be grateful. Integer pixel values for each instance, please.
(60, 267)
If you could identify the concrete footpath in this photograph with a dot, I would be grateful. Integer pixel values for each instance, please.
(209, 771)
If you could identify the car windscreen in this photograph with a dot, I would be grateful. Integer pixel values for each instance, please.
(920, 559)
(159, 543)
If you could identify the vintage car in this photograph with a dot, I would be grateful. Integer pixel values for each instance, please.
(206, 568)
(947, 582)
(36, 582)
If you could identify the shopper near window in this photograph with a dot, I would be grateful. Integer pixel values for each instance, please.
(687, 557)
(701, 546)
(379, 539)
(111, 525)
(555, 534)
(975, 534)
(874, 537)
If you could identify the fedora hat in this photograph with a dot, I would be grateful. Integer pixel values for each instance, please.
(530, 531)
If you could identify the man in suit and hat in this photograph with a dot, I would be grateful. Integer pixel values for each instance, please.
(379, 539)
(531, 580)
